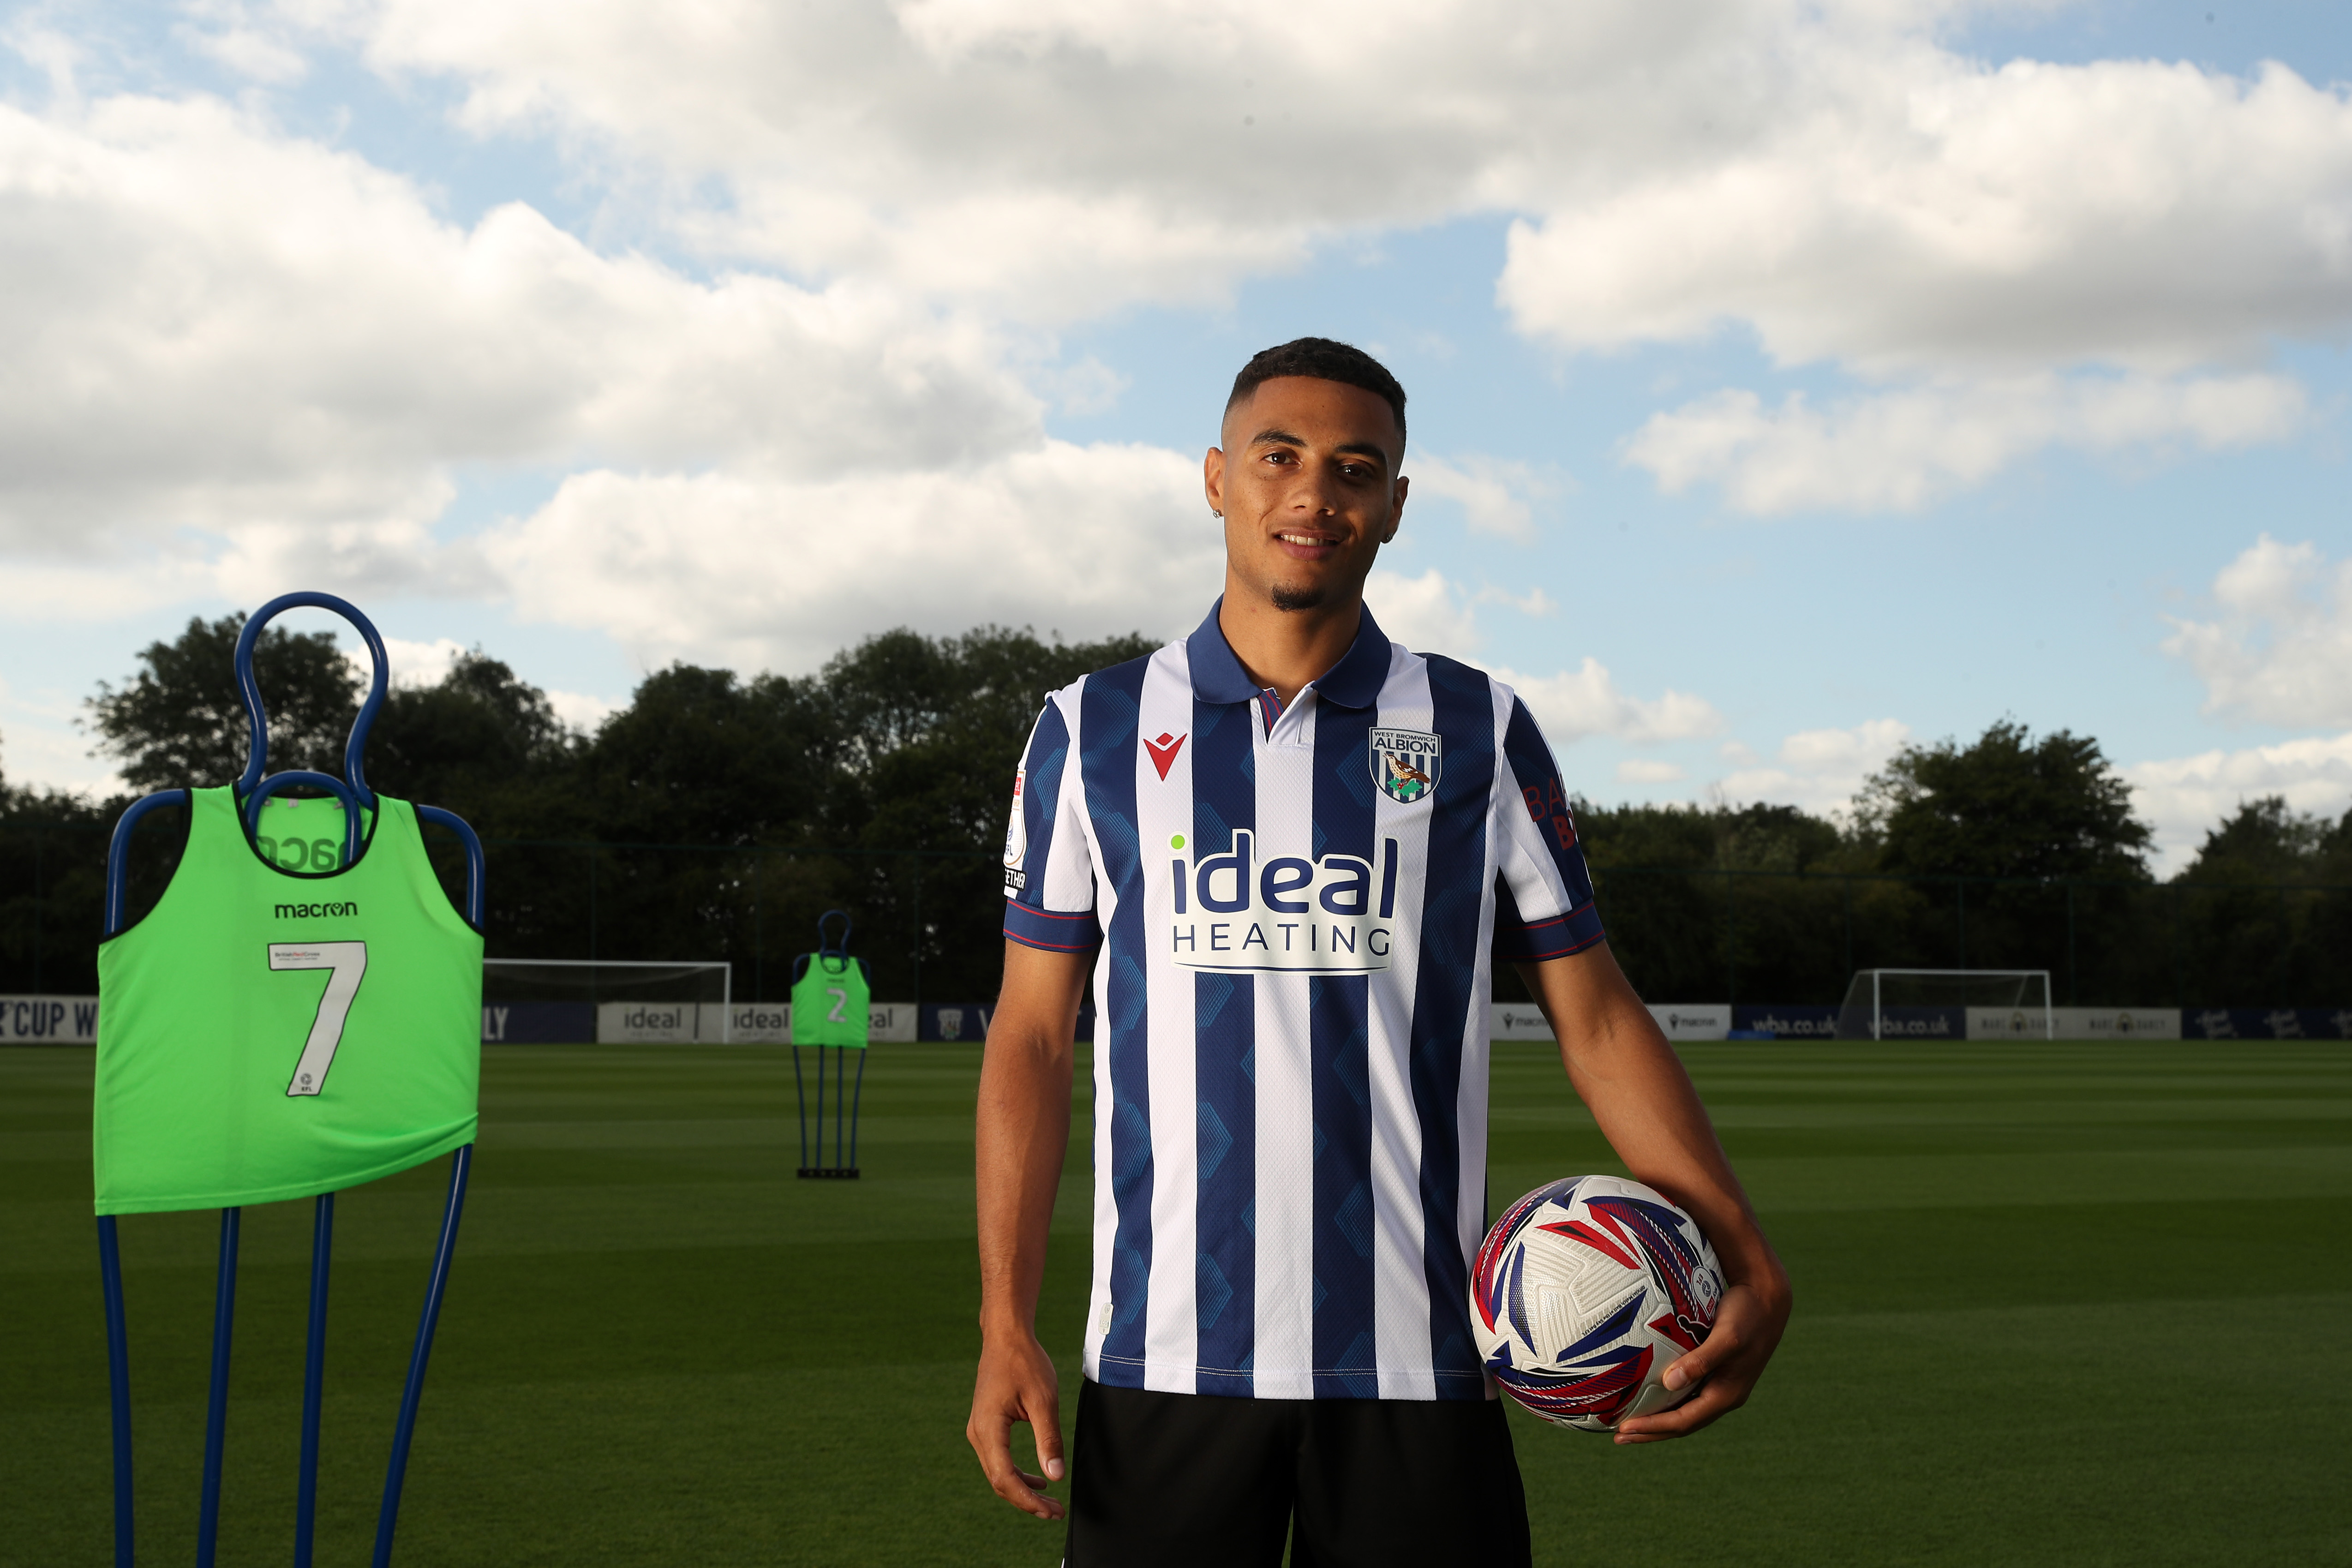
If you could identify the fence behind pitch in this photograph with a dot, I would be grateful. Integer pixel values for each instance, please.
(928, 921)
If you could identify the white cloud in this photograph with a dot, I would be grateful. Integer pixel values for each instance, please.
(413, 663)
(40, 746)
(1827, 177)
(1432, 614)
(1586, 700)
(1089, 387)
(216, 327)
(1648, 771)
(1877, 201)
(244, 324)
(1427, 613)
(1826, 174)
(84, 591)
(760, 572)
(582, 711)
(57, 756)
(1534, 602)
(1900, 450)
(2282, 651)
(239, 357)
(2185, 798)
(1819, 769)
(1494, 493)
(227, 31)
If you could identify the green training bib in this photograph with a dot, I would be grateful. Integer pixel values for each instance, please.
(831, 1004)
(281, 1024)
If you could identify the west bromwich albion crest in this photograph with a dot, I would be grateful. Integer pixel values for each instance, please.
(1406, 764)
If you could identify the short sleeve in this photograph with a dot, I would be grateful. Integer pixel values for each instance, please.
(1543, 894)
(1049, 879)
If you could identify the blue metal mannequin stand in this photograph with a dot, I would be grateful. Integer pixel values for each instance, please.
(840, 1170)
(254, 789)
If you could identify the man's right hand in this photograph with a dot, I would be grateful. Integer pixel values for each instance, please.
(1020, 1132)
(1017, 1383)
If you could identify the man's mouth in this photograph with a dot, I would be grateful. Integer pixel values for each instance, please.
(1307, 541)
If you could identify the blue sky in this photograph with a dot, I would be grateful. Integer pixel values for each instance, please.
(1855, 374)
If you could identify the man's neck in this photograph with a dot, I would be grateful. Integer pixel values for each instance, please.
(1287, 648)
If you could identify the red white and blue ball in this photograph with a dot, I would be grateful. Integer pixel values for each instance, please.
(1585, 1292)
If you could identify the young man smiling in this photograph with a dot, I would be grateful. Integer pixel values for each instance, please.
(1286, 850)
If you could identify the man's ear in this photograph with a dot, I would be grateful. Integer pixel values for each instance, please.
(1213, 479)
(1396, 518)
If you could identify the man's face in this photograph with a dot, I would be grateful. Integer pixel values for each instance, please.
(1307, 481)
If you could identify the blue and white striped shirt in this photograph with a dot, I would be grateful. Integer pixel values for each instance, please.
(1296, 908)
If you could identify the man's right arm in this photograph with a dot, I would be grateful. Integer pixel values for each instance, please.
(1023, 1133)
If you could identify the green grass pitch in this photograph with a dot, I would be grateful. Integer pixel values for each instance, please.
(2070, 1303)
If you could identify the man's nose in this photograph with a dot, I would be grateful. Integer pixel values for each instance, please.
(1314, 491)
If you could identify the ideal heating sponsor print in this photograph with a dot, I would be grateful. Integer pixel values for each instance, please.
(1232, 912)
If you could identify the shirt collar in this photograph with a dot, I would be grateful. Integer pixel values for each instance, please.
(1354, 682)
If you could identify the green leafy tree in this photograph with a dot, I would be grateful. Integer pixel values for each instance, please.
(2330, 931)
(468, 739)
(1717, 902)
(488, 746)
(903, 742)
(2262, 841)
(2027, 855)
(938, 726)
(2005, 805)
(2256, 924)
(52, 870)
(179, 721)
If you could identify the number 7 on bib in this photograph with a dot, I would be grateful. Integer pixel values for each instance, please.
(346, 963)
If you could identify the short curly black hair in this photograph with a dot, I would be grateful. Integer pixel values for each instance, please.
(1326, 359)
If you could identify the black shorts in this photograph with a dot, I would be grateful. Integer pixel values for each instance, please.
(1189, 1479)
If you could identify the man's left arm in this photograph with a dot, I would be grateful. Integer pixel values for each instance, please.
(1634, 1085)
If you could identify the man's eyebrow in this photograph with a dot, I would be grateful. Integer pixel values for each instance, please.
(1273, 437)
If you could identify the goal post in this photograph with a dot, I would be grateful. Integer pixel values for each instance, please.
(1912, 1003)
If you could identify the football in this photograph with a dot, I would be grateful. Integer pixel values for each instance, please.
(1584, 1293)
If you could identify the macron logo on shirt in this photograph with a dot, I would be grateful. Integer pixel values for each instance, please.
(1163, 752)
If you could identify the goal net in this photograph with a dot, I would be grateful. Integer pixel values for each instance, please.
(606, 1001)
(1946, 1003)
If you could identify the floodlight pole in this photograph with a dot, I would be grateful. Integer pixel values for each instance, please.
(1730, 938)
(1845, 887)
(2074, 969)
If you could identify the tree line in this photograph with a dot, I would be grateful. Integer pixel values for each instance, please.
(716, 816)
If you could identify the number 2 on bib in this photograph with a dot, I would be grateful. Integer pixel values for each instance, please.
(347, 960)
(840, 1006)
